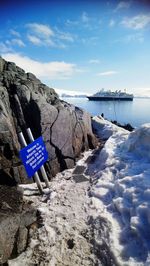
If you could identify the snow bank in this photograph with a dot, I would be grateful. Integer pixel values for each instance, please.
(139, 141)
(104, 128)
(121, 194)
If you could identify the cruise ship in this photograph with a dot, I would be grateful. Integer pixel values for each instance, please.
(109, 95)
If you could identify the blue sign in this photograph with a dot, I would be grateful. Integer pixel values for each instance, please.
(34, 156)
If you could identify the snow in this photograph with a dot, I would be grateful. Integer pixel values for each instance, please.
(105, 128)
(139, 141)
(122, 191)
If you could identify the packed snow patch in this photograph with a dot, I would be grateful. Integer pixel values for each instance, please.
(121, 192)
(104, 128)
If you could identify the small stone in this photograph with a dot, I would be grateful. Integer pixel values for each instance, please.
(79, 169)
(80, 178)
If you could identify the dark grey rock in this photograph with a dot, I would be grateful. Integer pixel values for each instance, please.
(80, 178)
(9, 225)
(31, 76)
(12, 197)
(16, 218)
(79, 169)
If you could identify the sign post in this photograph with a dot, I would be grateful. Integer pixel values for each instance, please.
(42, 167)
(33, 157)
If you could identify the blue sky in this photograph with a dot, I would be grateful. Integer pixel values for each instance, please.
(80, 46)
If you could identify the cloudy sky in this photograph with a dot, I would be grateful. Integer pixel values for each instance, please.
(81, 45)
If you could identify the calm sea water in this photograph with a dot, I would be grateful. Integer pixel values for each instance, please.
(135, 112)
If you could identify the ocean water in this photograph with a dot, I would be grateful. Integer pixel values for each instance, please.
(136, 112)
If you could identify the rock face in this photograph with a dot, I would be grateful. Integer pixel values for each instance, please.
(26, 102)
(16, 219)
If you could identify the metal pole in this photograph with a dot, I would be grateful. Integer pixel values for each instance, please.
(36, 176)
(42, 167)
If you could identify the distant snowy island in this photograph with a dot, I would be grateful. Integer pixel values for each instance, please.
(64, 95)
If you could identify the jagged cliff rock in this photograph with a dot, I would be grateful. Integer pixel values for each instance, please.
(26, 102)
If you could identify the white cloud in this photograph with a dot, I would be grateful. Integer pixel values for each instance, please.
(71, 22)
(40, 34)
(136, 22)
(122, 5)
(15, 33)
(65, 36)
(112, 23)
(107, 73)
(134, 38)
(51, 43)
(94, 61)
(18, 42)
(33, 39)
(43, 70)
(85, 21)
(43, 42)
(90, 40)
(5, 48)
(137, 38)
(85, 17)
(40, 30)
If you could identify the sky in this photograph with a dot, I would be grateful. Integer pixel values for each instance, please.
(79, 46)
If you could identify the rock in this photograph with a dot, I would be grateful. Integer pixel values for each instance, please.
(26, 102)
(79, 169)
(12, 197)
(2, 64)
(31, 76)
(22, 239)
(61, 134)
(80, 178)
(8, 230)
(16, 217)
(28, 215)
(10, 209)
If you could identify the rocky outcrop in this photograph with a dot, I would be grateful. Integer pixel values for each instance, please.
(26, 102)
(16, 218)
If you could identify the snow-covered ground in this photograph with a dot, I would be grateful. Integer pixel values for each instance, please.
(114, 197)
(121, 191)
(63, 236)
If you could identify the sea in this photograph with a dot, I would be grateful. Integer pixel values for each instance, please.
(136, 112)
